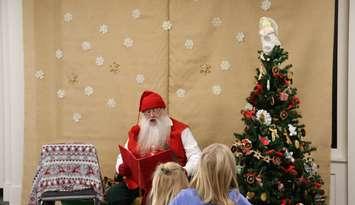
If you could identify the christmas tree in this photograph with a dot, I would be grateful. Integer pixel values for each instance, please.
(274, 163)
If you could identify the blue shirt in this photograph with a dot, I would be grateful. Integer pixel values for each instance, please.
(190, 196)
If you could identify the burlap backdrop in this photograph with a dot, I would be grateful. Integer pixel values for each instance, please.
(209, 98)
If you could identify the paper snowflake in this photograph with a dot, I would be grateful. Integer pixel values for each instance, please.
(216, 89)
(85, 45)
(181, 92)
(103, 28)
(265, 5)
(76, 117)
(225, 65)
(216, 22)
(61, 93)
(166, 25)
(240, 37)
(136, 13)
(39, 74)
(59, 54)
(68, 17)
(88, 90)
(128, 42)
(140, 78)
(100, 60)
(111, 103)
(189, 44)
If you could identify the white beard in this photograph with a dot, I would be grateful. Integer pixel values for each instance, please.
(152, 137)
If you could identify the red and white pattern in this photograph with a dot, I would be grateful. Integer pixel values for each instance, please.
(67, 167)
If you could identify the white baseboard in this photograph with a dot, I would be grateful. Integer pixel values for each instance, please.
(338, 183)
(12, 194)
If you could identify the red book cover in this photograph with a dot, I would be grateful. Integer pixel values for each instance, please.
(142, 168)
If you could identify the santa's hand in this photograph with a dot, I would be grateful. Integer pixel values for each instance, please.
(124, 170)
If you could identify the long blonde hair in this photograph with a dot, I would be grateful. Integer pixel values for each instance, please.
(168, 180)
(216, 175)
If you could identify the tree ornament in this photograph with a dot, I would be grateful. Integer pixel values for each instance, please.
(250, 178)
(283, 114)
(276, 160)
(280, 186)
(283, 96)
(303, 132)
(239, 169)
(268, 85)
(261, 71)
(274, 134)
(297, 144)
(264, 117)
(234, 148)
(250, 195)
(272, 100)
(292, 130)
(263, 196)
(289, 156)
(264, 140)
(275, 71)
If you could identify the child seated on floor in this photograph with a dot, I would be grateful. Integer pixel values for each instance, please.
(168, 180)
(214, 182)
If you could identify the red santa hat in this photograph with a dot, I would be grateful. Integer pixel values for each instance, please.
(150, 100)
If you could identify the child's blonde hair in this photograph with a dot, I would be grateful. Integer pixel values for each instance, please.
(216, 175)
(168, 180)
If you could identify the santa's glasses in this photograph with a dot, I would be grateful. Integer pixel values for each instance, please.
(153, 113)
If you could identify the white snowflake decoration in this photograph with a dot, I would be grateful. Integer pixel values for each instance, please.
(216, 22)
(128, 42)
(240, 37)
(39, 74)
(292, 130)
(100, 60)
(216, 89)
(61, 93)
(136, 13)
(167, 25)
(68, 17)
(140, 78)
(225, 65)
(248, 106)
(111, 103)
(181, 92)
(59, 54)
(85, 45)
(76, 117)
(88, 90)
(265, 5)
(189, 44)
(264, 117)
(103, 28)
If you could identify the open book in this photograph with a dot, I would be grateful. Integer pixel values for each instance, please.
(142, 169)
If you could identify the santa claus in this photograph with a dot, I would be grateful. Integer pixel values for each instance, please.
(155, 131)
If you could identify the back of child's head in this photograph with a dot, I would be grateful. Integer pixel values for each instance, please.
(168, 179)
(216, 175)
